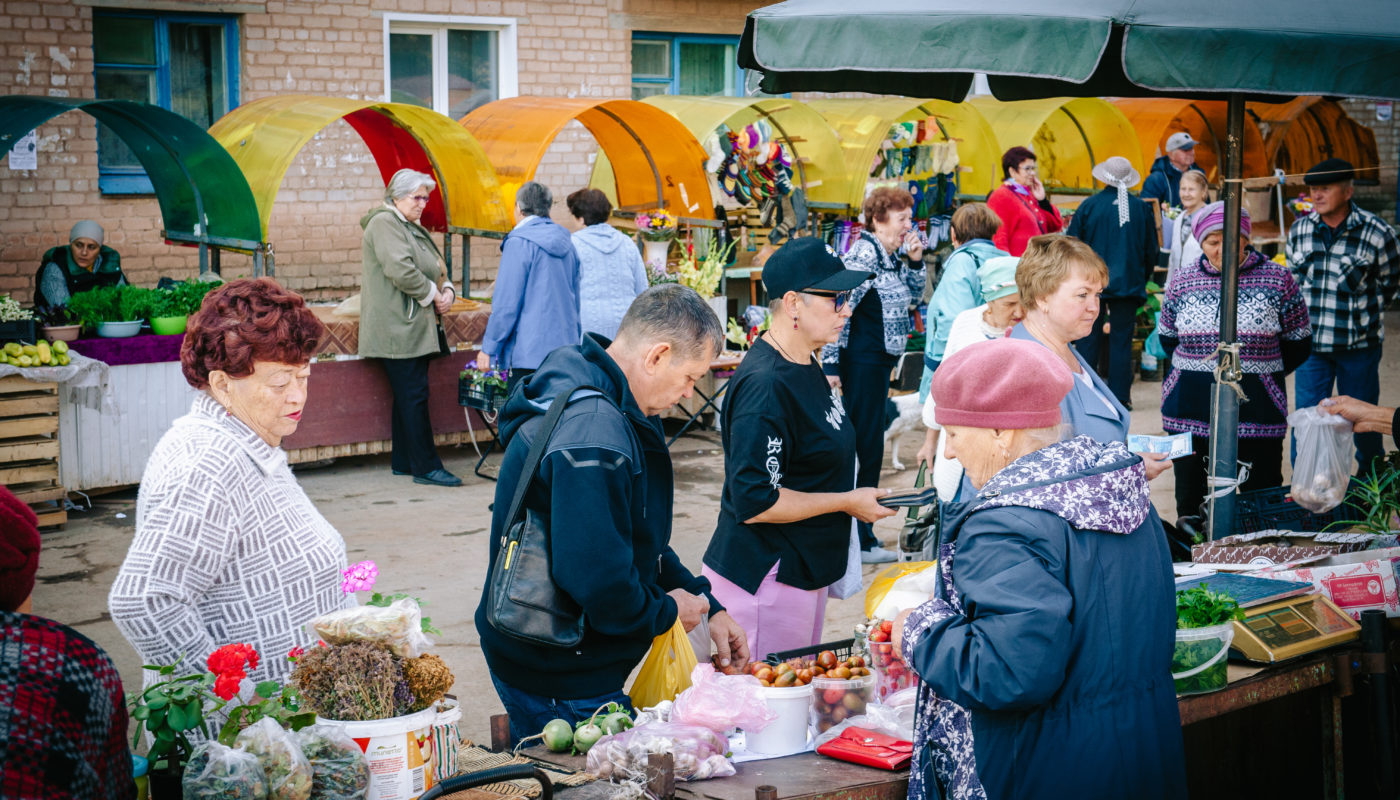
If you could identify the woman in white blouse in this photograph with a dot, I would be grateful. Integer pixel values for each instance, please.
(1185, 247)
(228, 548)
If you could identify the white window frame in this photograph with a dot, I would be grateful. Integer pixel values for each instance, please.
(437, 25)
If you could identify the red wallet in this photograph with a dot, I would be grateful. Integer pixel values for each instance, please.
(872, 749)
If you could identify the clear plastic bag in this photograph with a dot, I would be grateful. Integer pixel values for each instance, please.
(698, 752)
(722, 702)
(339, 770)
(891, 720)
(217, 772)
(399, 626)
(287, 770)
(1323, 466)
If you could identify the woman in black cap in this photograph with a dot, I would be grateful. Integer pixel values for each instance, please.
(785, 527)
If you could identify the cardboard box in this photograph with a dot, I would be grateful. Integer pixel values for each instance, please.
(1273, 547)
(1356, 582)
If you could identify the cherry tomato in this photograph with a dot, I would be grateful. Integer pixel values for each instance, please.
(786, 678)
(826, 659)
(833, 695)
(764, 674)
(887, 627)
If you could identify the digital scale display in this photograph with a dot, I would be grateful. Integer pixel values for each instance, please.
(1291, 628)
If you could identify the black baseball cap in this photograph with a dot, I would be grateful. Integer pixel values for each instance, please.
(1332, 170)
(809, 264)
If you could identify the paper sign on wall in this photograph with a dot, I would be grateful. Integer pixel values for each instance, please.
(25, 153)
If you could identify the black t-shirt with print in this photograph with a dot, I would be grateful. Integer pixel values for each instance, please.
(783, 426)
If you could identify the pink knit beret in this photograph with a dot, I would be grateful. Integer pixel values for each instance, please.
(19, 550)
(1006, 384)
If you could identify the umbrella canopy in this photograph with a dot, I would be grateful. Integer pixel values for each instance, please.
(1090, 48)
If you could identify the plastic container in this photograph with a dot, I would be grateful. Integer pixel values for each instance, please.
(1275, 509)
(61, 333)
(788, 733)
(891, 673)
(399, 751)
(1198, 662)
(169, 326)
(836, 699)
(844, 649)
(118, 330)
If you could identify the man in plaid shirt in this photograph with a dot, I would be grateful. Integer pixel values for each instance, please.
(1347, 263)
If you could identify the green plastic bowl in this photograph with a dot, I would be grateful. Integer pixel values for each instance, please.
(168, 326)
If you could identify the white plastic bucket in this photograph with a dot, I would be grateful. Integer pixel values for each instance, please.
(788, 733)
(399, 751)
(1195, 679)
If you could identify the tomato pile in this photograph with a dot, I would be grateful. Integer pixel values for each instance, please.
(891, 673)
(802, 671)
(835, 699)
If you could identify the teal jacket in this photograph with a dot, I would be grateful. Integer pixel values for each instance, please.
(958, 290)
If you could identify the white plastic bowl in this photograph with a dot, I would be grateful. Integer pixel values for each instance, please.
(118, 330)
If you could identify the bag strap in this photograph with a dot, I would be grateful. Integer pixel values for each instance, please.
(537, 448)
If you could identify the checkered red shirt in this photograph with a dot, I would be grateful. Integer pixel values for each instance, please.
(62, 715)
(1346, 281)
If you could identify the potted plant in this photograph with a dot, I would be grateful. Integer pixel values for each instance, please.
(16, 322)
(168, 710)
(167, 312)
(484, 390)
(60, 324)
(657, 229)
(1378, 496)
(1204, 630)
(100, 311)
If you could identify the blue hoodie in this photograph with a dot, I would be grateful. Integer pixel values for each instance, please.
(1045, 653)
(534, 308)
(610, 276)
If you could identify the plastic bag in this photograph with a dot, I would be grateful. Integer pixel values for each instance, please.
(698, 752)
(900, 586)
(398, 625)
(666, 671)
(446, 736)
(722, 702)
(217, 772)
(892, 719)
(1323, 466)
(287, 770)
(339, 770)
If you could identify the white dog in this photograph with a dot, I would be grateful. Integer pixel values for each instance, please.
(909, 420)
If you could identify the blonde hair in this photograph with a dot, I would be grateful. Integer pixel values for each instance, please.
(1198, 177)
(1049, 261)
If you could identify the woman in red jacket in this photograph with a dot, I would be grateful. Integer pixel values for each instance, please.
(1021, 203)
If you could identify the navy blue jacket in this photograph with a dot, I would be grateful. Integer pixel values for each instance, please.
(1045, 653)
(1129, 250)
(605, 487)
(534, 307)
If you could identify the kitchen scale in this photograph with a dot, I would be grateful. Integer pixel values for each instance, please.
(1292, 627)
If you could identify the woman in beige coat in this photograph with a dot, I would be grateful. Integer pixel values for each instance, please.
(402, 292)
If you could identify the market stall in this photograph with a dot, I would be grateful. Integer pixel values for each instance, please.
(1308, 129)
(1069, 135)
(1156, 118)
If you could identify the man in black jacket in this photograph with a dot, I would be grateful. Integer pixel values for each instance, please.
(605, 489)
(1119, 227)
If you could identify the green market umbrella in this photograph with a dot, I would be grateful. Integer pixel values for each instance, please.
(1270, 50)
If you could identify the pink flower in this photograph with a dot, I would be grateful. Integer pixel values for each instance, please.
(359, 577)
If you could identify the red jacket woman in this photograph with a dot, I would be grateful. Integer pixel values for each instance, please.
(1021, 203)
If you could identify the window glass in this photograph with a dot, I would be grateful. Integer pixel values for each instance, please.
(471, 70)
(121, 84)
(124, 40)
(411, 68)
(707, 69)
(640, 90)
(198, 83)
(651, 58)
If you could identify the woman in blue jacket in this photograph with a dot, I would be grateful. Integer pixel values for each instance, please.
(959, 289)
(1045, 651)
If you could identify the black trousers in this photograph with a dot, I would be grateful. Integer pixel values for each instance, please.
(864, 389)
(414, 451)
(1266, 472)
(1121, 317)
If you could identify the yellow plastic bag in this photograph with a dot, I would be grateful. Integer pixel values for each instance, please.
(666, 671)
(881, 585)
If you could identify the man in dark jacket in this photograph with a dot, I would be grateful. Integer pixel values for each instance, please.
(1164, 179)
(605, 489)
(1119, 227)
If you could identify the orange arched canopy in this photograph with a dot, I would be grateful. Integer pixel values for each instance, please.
(1307, 130)
(656, 161)
(265, 135)
(1155, 119)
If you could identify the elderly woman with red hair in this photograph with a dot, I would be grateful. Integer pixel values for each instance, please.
(228, 548)
(1021, 203)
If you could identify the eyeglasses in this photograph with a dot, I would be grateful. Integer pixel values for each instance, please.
(419, 198)
(838, 298)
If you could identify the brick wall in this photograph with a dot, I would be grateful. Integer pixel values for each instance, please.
(1379, 199)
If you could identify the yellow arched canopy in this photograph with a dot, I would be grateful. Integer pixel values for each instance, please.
(1155, 119)
(656, 161)
(1307, 130)
(863, 123)
(265, 135)
(1069, 135)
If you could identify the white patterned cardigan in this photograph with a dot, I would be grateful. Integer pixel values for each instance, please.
(228, 548)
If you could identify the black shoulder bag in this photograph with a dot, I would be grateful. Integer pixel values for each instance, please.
(523, 601)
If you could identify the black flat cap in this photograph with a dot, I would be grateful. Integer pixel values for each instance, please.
(1333, 170)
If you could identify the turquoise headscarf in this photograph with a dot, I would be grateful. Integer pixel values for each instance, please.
(997, 277)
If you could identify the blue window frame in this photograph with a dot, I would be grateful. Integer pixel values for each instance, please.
(187, 63)
(683, 63)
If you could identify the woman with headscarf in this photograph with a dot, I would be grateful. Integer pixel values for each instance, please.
(1275, 337)
(84, 263)
(1021, 203)
(1044, 654)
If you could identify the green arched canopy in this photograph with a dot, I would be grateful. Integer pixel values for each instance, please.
(203, 196)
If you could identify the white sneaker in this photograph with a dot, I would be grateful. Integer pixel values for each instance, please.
(877, 555)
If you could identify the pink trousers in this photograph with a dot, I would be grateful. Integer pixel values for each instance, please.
(777, 617)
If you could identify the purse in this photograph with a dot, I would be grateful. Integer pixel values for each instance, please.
(869, 748)
(920, 530)
(523, 602)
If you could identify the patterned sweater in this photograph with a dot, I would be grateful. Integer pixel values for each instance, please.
(228, 548)
(1273, 331)
(897, 280)
(62, 715)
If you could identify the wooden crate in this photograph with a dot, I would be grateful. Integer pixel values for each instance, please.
(29, 447)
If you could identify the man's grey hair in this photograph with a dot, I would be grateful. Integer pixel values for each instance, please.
(534, 198)
(405, 182)
(676, 315)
